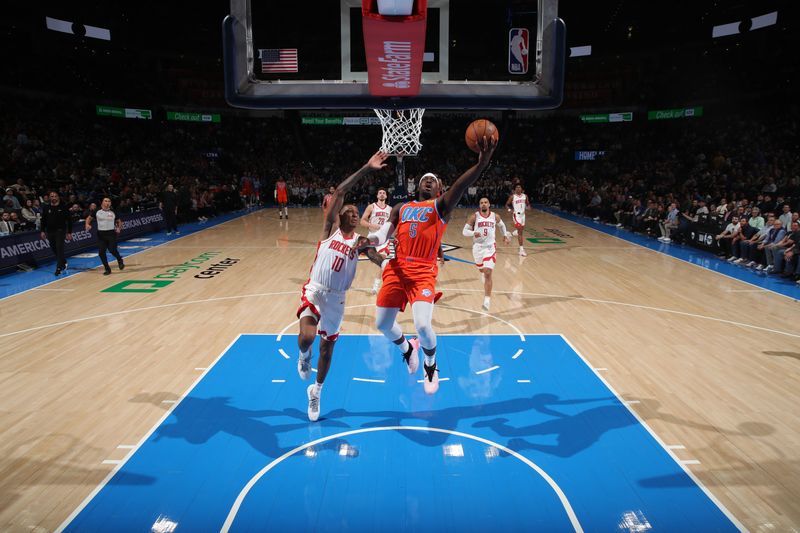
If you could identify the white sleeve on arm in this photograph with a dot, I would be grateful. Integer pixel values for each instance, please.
(502, 226)
(382, 235)
(468, 231)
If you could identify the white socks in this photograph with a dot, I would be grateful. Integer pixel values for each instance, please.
(430, 360)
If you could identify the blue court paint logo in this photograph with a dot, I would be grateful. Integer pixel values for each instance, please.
(426, 292)
(518, 50)
(416, 214)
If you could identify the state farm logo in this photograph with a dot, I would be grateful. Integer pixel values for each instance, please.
(396, 64)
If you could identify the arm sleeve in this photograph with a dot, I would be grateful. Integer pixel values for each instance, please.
(502, 226)
(468, 231)
(382, 235)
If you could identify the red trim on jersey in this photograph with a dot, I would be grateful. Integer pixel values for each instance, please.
(331, 338)
(492, 257)
(306, 304)
(304, 301)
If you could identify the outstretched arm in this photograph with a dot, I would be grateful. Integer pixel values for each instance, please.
(450, 199)
(510, 201)
(331, 221)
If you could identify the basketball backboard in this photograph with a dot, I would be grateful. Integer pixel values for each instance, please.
(478, 55)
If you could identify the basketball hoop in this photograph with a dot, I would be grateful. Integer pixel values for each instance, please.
(401, 130)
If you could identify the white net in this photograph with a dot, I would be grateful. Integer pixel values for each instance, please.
(401, 129)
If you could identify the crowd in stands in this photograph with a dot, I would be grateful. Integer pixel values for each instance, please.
(737, 174)
(732, 170)
(56, 146)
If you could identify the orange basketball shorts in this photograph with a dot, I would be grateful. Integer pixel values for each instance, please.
(407, 282)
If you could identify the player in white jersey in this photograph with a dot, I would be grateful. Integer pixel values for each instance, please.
(517, 204)
(323, 295)
(375, 215)
(481, 226)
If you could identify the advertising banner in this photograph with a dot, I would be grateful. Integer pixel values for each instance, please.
(30, 248)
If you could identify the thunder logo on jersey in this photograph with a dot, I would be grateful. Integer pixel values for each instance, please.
(419, 230)
(416, 214)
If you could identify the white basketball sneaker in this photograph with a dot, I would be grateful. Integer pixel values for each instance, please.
(313, 402)
(304, 366)
(522, 252)
(486, 302)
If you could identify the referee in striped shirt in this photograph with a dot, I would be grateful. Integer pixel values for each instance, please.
(108, 226)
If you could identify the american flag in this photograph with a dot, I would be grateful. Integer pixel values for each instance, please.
(278, 59)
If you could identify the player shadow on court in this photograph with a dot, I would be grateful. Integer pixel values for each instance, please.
(650, 411)
(793, 355)
(574, 432)
(736, 472)
(571, 429)
(197, 420)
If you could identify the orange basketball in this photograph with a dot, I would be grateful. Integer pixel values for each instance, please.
(477, 130)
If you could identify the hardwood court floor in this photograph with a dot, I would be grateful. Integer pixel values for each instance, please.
(712, 370)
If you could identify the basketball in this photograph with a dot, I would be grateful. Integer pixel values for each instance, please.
(477, 130)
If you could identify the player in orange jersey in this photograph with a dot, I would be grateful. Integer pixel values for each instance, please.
(282, 197)
(411, 276)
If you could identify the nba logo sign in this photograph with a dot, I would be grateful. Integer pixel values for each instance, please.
(518, 50)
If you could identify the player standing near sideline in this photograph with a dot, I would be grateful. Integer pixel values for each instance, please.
(323, 295)
(282, 197)
(375, 216)
(411, 276)
(481, 226)
(517, 204)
